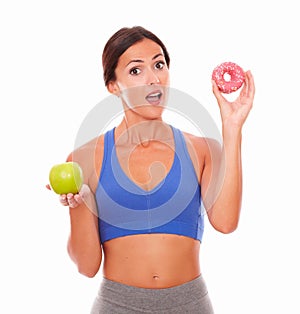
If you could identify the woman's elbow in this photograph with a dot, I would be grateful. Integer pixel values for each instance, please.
(224, 225)
(227, 228)
(89, 272)
(90, 267)
(224, 221)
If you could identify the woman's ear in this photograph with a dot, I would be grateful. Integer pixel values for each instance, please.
(113, 88)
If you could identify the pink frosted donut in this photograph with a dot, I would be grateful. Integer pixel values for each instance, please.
(236, 74)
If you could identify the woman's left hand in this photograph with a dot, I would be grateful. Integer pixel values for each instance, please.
(236, 112)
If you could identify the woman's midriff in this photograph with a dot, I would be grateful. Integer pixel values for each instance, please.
(151, 260)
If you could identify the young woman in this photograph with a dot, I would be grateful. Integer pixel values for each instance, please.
(144, 183)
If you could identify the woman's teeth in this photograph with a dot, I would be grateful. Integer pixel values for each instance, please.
(153, 97)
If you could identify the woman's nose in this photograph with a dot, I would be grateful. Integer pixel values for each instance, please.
(153, 78)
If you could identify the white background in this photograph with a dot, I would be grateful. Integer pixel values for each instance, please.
(51, 77)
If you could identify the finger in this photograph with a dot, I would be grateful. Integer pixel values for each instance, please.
(251, 85)
(78, 198)
(63, 200)
(71, 200)
(72, 203)
(244, 90)
(217, 92)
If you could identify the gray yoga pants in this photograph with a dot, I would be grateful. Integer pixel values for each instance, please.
(115, 298)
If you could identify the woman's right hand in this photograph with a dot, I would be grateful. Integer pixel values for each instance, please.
(71, 200)
(85, 195)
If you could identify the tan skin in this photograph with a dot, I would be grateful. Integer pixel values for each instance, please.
(156, 260)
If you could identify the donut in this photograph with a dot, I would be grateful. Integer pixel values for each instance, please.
(236, 74)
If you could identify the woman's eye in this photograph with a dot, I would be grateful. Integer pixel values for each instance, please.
(135, 71)
(160, 65)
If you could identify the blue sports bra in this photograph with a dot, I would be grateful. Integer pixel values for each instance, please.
(173, 206)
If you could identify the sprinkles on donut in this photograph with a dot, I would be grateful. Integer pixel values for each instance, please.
(234, 71)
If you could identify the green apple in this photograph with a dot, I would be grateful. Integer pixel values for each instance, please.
(66, 178)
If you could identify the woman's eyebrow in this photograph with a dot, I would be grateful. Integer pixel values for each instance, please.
(141, 61)
(133, 61)
(158, 55)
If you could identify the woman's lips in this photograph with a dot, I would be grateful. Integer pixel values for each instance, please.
(154, 98)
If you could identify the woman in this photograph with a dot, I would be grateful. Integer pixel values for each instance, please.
(144, 184)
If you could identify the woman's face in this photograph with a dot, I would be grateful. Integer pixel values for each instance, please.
(142, 78)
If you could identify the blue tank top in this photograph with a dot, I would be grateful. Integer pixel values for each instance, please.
(173, 206)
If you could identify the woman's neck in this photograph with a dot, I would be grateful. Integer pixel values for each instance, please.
(142, 132)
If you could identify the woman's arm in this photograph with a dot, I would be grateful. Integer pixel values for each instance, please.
(84, 246)
(84, 243)
(221, 180)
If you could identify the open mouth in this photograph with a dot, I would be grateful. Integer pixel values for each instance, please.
(154, 97)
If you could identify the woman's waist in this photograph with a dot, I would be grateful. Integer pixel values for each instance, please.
(153, 280)
(152, 261)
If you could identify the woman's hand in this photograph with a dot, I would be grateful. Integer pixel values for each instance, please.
(85, 195)
(71, 200)
(235, 113)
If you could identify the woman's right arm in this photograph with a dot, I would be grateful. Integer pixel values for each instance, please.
(84, 246)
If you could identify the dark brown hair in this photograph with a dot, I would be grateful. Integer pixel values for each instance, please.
(119, 43)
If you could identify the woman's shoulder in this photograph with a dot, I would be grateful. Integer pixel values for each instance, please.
(87, 150)
(202, 146)
(89, 156)
(199, 141)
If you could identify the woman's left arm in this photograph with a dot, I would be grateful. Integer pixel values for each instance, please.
(224, 171)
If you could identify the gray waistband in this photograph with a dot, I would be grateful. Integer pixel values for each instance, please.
(190, 297)
(196, 285)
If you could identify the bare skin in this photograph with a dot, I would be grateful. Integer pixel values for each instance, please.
(152, 261)
(156, 260)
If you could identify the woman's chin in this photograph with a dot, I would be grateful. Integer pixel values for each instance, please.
(148, 111)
